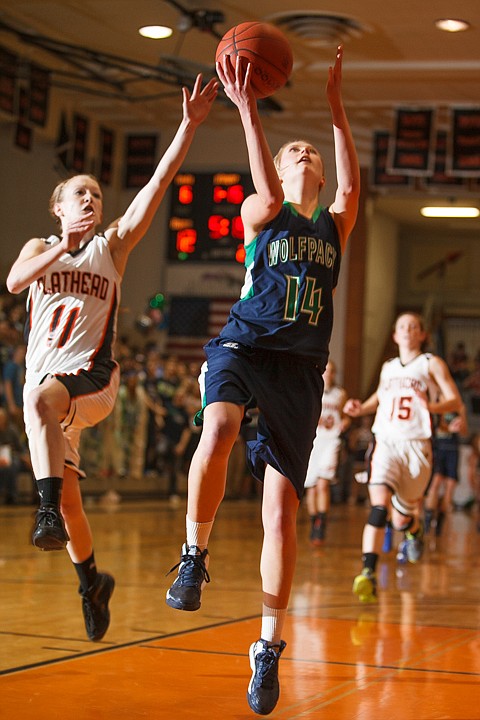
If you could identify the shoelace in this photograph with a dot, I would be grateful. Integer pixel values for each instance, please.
(48, 516)
(88, 613)
(265, 660)
(191, 565)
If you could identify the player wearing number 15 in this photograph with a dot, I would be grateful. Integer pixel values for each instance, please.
(72, 377)
(401, 461)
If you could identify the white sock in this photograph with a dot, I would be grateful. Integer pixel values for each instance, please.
(198, 533)
(272, 624)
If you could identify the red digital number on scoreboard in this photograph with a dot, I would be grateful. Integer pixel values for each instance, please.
(218, 227)
(234, 194)
(186, 240)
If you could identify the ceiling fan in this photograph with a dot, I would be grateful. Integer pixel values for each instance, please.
(201, 18)
(205, 20)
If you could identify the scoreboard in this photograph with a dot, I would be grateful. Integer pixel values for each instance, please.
(204, 222)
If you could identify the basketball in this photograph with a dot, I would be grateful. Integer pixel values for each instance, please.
(266, 48)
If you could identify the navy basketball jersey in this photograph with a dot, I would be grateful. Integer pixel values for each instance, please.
(286, 302)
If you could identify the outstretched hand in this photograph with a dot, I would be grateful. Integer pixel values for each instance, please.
(353, 407)
(334, 82)
(236, 81)
(197, 104)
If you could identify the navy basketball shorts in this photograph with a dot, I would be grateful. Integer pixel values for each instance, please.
(446, 457)
(287, 391)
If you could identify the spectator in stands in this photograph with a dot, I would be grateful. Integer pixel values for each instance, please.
(13, 382)
(459, 363)
(359, 440)
(176, 434)
(472, 384)
(13, 458)
(132, 417)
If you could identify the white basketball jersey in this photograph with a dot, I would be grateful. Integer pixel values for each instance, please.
(72, 311)
(331, 417)
(401, 414)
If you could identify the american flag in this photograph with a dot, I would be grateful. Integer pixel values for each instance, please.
(192, 322)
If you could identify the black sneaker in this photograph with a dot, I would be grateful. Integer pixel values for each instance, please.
(95, 606)
(186, 590)
(49, 530)
(263, 689)
(428, 518)
(317, 531)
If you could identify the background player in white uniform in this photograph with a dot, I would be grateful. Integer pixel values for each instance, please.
(322, 467)
(72, 377)
(401, 461)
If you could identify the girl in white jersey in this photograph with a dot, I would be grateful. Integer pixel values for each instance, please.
(323, 463)
(72, 377)
(401, 462)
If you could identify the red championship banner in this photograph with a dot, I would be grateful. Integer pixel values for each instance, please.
(23, 136)
(80, 137)
(106, 143)
(440, 175)
(411, 150)
(381, 175)
(23, 100)
(39, 94)
(465, 150)
(140, 153)
(8, 74)
(64, 143)
(23, 132)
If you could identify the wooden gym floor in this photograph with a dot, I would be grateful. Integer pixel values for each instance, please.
(414, 656)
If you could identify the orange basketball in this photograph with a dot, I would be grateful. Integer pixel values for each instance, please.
(266, 48)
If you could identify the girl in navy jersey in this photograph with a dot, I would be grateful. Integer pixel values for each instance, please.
(401, 461)
(271, 354)
(72, 377)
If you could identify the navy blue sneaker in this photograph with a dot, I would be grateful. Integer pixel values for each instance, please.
(263, 689)
(186, 591)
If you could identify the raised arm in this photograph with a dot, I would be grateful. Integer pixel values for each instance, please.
(261, 207)
(345, 205)
(132, 226)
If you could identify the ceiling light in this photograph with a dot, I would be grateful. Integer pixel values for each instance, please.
(156, 32)
(450, 211)
(452, 25)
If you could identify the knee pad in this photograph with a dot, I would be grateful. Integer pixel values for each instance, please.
(378, 516)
